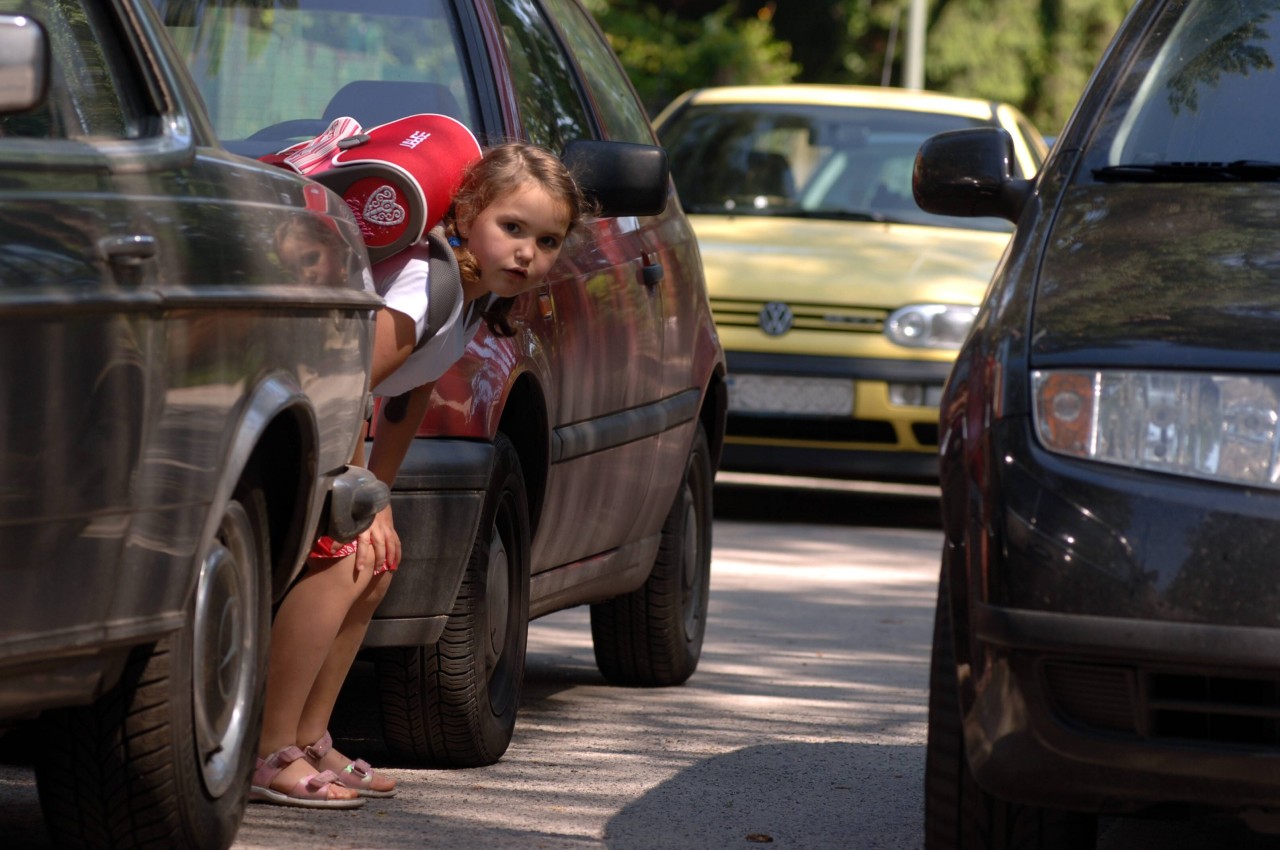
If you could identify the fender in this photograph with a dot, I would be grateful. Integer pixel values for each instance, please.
(275, 396)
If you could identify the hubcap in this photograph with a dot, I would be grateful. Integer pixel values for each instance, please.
(222, 655)
(691, 568)
(497, 601)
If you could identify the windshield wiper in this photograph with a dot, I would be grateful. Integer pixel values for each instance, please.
(1246, 170)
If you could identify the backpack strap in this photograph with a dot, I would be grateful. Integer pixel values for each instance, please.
(444, 282)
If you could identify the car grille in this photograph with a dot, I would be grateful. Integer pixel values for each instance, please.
(1173, 707)
(732, 312)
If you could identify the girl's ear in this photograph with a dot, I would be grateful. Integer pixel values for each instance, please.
(462, 219)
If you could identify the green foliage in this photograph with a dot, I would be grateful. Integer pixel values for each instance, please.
(665, 54)
(1035, 54)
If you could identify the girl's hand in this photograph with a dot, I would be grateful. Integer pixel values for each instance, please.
(383, 542)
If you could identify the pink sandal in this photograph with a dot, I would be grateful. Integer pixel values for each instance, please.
(311, 792)
(358, 775)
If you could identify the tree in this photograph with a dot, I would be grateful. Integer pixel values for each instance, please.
(1036, 55)
(666, 53)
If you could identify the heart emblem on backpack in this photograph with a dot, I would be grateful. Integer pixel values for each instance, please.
(381, 208)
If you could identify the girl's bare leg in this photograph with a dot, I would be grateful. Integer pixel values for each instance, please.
(318, 710)
(307, 625)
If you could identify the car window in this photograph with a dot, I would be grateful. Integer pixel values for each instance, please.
(92, 95)
(624, 118)
(550, 104)
(807, 161)
(272, 77)
(1200, 91)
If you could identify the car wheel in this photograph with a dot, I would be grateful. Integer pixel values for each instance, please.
(164, 758)
(958, 814)
(653, 636)
(453, 704)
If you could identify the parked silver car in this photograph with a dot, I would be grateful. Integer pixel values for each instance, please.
(177, 414)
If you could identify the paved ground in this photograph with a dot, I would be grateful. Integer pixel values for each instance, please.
(803, 728)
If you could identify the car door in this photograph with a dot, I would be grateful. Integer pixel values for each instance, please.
(606, 363)
(76, 330)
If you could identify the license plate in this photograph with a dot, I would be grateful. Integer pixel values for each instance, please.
(785, 394)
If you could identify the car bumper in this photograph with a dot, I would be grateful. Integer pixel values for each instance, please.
(1125, 649)
(880, 439)
(1113, 715)
(436, 502)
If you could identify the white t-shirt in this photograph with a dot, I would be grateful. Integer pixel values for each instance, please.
(401, 280)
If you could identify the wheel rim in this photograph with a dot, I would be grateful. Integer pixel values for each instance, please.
(497, 601)
(223, 661)
(502, 653)
(691, 567)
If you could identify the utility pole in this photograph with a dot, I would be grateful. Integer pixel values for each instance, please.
(914, 70)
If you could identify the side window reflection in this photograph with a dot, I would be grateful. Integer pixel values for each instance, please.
(621, 113)
(550, 103)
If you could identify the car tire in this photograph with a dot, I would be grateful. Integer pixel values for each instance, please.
(164, 758)
(454, 703)
(958, 813)
(652, 636)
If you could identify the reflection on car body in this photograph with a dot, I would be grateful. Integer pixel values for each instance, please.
(1107, 611)
(840, 302)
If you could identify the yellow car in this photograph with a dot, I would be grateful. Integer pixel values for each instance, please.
(840, 304)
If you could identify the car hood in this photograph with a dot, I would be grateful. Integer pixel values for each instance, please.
(867, 264)
(1175, 275)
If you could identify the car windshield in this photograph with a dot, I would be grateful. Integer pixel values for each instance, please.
(806, 161)
(274, 76)
(1196, 103)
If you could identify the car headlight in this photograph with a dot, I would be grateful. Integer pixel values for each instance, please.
(930, 325)
(1220, 427)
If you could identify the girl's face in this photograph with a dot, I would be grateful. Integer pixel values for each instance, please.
(516, 240)
(312, 261)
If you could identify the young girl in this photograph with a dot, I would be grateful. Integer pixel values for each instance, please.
(508, 221)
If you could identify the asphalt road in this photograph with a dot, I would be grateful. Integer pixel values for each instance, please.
(804, 726)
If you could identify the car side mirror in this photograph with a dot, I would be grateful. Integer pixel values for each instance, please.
(24, 63)
(622, 178)
(969, 173)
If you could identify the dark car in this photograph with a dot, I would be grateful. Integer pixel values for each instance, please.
(570, 464)
(177, 410)
(1108, 624)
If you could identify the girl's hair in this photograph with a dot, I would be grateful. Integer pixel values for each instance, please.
(313, 227)
(501, 171)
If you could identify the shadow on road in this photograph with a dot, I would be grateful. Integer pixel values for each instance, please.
(844, 795)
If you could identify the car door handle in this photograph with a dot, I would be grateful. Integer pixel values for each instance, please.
(130, 250)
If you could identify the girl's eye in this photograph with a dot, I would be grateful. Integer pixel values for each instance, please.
(549, 242)
(510, 227)
(309, 258)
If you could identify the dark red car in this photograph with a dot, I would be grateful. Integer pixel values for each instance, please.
(569, 464)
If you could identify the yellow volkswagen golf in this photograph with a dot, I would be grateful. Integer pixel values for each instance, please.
(840, 304)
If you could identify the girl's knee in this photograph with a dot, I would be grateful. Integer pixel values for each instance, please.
(377, 588)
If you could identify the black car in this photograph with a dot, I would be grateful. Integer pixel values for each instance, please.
(177, 411)
(1108, 624)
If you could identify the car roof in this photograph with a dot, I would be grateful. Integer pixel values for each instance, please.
(846, 95)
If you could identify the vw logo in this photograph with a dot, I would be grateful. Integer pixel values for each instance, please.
(775, 318)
